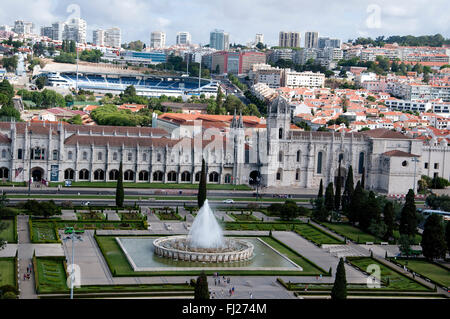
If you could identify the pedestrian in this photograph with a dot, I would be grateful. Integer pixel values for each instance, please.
(24, 276)
(251, 296)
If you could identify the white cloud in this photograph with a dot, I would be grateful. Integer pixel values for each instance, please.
(241, 18)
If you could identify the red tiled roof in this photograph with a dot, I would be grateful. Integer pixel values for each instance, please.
(397, 153)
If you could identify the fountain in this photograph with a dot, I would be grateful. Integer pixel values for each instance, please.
(205, 242)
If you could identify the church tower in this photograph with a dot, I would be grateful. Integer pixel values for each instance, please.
(237, 139)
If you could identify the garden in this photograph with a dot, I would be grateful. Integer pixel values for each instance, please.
(351, 232)
(393, 279)
(9, 234)
(8, 274)
(315, 235)
(434, 271)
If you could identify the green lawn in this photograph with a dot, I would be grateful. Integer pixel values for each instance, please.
(51, 275)
(94, 215)
(8, 234)
(353, 233)
(316, 235)
(397, 281)
(244, 217)
(7, 272)
(432, 271)
(258, 226)
(169, 216)
(308, 267)
(43, 232)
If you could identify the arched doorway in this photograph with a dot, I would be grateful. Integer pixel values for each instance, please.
(37, 174)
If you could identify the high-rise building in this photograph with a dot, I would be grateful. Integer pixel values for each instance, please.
(325, 42)
(98, 37)
(311, 40)
(158, 40)
(58, 30)
(219, 40)
(183, 38)
(23, 27)
(113, 37)
(47, 32)
(289, 39)
(75, 30)
(259, 38)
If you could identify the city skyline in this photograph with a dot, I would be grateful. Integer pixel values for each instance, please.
(137, 19)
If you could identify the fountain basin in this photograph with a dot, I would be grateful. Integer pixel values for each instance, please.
(178, 248)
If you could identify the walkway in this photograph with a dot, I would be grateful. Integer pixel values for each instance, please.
(25, 249)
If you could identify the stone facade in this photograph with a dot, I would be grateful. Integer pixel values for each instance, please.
(277, 155)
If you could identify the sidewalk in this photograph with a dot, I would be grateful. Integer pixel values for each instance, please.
(25, 249)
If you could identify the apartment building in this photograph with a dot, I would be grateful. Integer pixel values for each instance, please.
(311, 40)
(219, 40)
(289, 39)
(295, 79)
(158, 40)
(183, 38)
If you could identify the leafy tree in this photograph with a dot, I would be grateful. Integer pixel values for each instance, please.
(202, 192)
(10, 64)
(93, 56)
(404, 244)
(389, 220)
(433, 238)
(120, 194)
(370, 213)
(339, 291)
(40, 82)
(408, 219)
(289, 210)
(201, 290)
(320, 212)
(329, 197)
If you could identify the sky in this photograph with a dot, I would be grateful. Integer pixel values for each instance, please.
(242, 19)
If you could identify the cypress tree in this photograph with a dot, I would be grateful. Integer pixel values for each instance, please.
(337, 195)
(120, 195)
(339, 291)
(389, 220)
(356, 205)
(447, 235)
(329, 197)
(201, 290)
(348, 190)
(320, 189)
(408, 218)
(363, 178)
(433, 238)
(201, 196)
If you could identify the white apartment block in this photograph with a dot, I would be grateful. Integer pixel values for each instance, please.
(23, 27)
(262, 91)
(98, 37)
(113, 37)
(311, 40)
(183, 38)
(272, 77)
(295, 79)
(75, 30)
(289, 39)
(158, 40)
(259, 38)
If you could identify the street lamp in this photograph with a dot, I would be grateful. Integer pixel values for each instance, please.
(74, 238)
(29, 168)
(415, 160)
